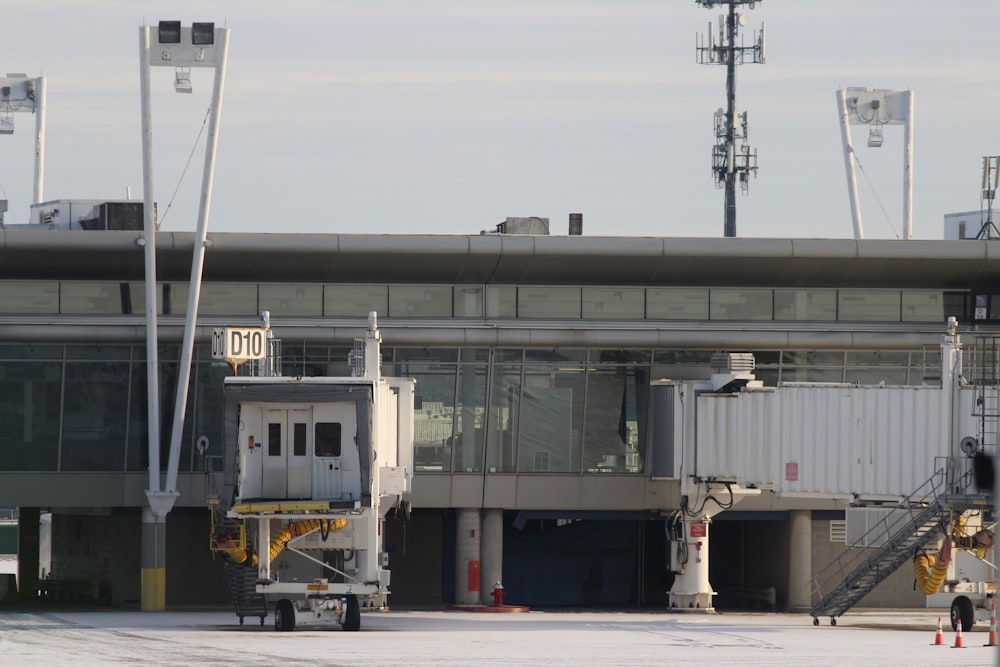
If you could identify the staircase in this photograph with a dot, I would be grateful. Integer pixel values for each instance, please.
(898, 536)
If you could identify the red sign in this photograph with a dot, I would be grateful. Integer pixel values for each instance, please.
(473, 574)
(699, 529)
(791, 472)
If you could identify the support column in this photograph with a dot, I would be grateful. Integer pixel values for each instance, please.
(28, 530)
(492, 554)
(467, 550)
(154, 561)
(799, 560)
(691, 591)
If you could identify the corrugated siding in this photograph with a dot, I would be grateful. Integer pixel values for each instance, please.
(828, 439)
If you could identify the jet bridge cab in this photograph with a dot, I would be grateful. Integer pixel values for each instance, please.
(319, 461)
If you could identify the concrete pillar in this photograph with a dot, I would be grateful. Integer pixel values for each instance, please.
(28, 528)
(492, 553)
(467, 540)
(799, 560)
(153, 561)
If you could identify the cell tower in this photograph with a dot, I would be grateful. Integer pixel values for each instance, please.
(729, 162)
(991, 180)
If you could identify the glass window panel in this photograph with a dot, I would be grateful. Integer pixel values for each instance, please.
(174, 295)
(355, 300)
(468, 301)
(551, 420)
(561, 356)
(420, 301)
(29, 415)
(404, 354)
(868, 306)
(470, 415)
(81, 298)
(505, 402)
(614, 303)
(548, 302)
(31, 351)
(818, 305)
(93, 423)
(137, 455)
(209, 407)
(434, 413)
(813, 357)
(328, 439)
(228, 299)
(22, 296)
(615, 414)
(100, 352)
(769, 376)
(501, 301)
(923, 306)
(508, 355)
(299, 432)
(766, 357)
(808, 374)
(473, 354)
(304, 300)
(620, 356)
(274, 439)
(877, 358)
(676, 304)
(876, 375)
(741, 304)
(682, 357)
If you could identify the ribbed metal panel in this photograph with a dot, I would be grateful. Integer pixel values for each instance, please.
(829, 439)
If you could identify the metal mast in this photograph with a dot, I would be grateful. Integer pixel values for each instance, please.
(730, 164)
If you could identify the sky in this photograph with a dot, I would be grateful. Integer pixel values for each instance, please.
(448, 116)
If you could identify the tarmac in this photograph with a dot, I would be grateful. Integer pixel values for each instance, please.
(33, 634)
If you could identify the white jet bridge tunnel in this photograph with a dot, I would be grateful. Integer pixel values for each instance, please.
(731, 437)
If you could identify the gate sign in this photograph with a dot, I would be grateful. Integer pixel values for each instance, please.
(237, 345)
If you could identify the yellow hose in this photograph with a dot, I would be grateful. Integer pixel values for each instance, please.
(929, 572)
(281, 539)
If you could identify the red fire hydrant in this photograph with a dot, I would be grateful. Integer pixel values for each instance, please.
(497, 595)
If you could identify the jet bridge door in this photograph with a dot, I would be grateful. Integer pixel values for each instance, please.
(287, 453)
(336, 473)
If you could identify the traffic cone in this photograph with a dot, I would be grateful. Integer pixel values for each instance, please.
(993, 624)
(958, 637)
(939, 637)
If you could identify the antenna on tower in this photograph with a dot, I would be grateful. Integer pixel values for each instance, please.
(991, 178)
(731, 163)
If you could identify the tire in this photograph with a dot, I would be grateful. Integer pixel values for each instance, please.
(962, 610)
(284, 616)
(352, 615)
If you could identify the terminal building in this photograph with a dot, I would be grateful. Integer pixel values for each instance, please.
(533, 355)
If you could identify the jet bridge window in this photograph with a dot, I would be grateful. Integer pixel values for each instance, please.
(299, 439)
(327, 439)
(274, 439)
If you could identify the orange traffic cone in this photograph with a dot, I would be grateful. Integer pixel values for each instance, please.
(993, 624)
(939, 637)
(958, 637)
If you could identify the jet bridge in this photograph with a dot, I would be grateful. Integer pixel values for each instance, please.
(731, 437)
(315, 464)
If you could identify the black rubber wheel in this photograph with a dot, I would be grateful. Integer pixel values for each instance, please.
(815, 621)
(352, 615)
(833, 620)
(962, 610)
(262, 621)
(241, 620)
(284, 616)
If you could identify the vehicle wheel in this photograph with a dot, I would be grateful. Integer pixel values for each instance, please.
(815, 621)
(241, 620)
(833, 620)
(352, 615)
(961, 610)
(284, 616)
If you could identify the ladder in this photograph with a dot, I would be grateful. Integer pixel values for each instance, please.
(893, 540)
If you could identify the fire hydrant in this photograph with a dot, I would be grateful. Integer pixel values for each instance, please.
(497, 595)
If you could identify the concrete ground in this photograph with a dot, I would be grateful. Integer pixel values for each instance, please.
(32, 635)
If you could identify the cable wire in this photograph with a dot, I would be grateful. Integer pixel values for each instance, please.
(180, 180)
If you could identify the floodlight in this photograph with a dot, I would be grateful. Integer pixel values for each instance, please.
(170, 32)
(182, 80)
(7, 124)
(203, 33)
